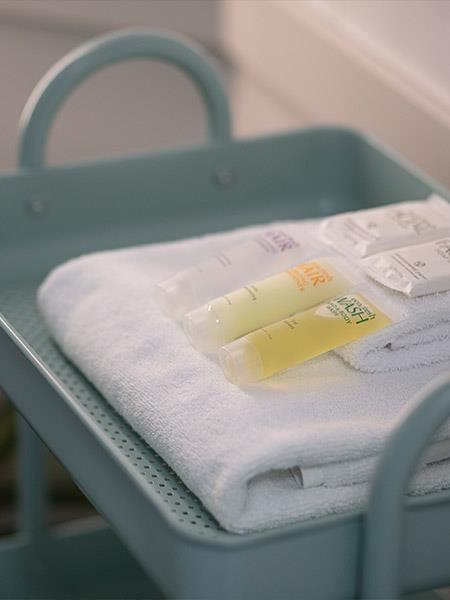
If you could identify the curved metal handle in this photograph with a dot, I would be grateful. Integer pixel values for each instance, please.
(49, 94)
(384, 520)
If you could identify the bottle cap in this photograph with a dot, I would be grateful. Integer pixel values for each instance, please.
(203, 329)
(175, 296)
(241, 362)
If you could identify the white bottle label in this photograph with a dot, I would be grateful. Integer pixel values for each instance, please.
(273, 241)
(239, 264)
(366, 232)
(414, 270)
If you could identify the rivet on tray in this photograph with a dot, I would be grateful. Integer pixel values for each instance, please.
(37, 205)
(224, 176)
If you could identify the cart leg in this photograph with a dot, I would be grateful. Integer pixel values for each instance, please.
(76, 560)
(32, 494)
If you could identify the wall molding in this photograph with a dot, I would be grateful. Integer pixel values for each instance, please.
(317, 68)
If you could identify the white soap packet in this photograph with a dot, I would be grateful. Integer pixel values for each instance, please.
(365, 232)
(415, 270)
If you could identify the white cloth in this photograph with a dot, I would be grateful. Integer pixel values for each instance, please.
(232, 447)
(421, 337)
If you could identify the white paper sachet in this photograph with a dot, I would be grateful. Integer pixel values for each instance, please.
(365, 232)
(415, 270)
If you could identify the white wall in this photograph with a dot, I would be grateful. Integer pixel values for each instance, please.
(415, 34)
(378, 66)
(195, 18)
(132, 107)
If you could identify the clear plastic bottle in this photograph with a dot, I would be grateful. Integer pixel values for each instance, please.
(262, 255)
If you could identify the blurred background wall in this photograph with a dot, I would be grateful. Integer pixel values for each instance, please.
(127, 108)
(381, 66)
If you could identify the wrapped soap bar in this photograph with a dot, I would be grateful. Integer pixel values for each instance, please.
(366, 232)
(415, 270)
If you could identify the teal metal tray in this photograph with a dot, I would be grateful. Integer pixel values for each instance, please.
(51, 214)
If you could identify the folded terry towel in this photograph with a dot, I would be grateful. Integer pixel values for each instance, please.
(237, 449)
(422, 337)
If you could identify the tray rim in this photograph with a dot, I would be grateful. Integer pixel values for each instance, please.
(211, 146)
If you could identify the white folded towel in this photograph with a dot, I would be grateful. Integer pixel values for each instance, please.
(421, 338)
(233, 447)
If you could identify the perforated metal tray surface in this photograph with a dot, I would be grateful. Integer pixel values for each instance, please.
(18, 304)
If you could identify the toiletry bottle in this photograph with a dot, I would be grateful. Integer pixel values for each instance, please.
(260, 256)
(303, 336)
(255, 305)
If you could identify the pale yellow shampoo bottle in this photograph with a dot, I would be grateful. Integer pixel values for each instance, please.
(249, 308)
(302, 336)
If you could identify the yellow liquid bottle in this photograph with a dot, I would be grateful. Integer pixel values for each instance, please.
(300, 337)
(231, 316)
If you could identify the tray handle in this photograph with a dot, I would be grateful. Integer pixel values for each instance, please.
(49, 94)
(384, 519)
